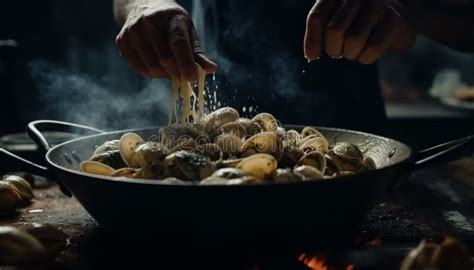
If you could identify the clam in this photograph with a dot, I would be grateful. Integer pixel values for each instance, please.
(184, 143)
(125, 172)
(213, 180)
(267, 121)
(262, 166)
(232, 128)
(230, 173)
(309, 131)
(228, 163)
(308, 173)
(286, 175)
(174, 134)
(314, 159)
(23, 187)
(347, 151)
(332, 167)
(48, 235)
(173, 181)
(151, 153)
(112, 158)
(10, 198)
(189, 166)
(107, 146)
(265, 142)
(229, 143)
(346, 173)
(250, 126)
(220, 117)
(128, 143)
(19, 247)
(97, 168)
(314, 143)
(211, 150)
(369, 164)
(292, 138)
(290, 156)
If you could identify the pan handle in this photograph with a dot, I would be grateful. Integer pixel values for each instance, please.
(37, 136)
(443, 153)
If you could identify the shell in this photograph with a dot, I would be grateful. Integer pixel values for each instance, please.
(262, 166)
(290, 156)
(112, 158)
(19, 247)
(265, 142)
(107, 146)
(346, 173)
(250, 126)
(128, 143)
(174, 134)
(151, 153)
(10, 198)
(286, 176)
(24, 188)
(220, 117)
(332, 167)
(369, 164)
(228, 163)
(308, 173)
(189, 166)
(211, 150)
(125, 172)
(308, 131)
(232, 128)
(184, 143)
(48, 235)
(314, 159)
(230, 173)
(267, 121)
(213, 180)
(314, 143)
(229, 143)
(96, 168)
(292, 138)
(348, 151)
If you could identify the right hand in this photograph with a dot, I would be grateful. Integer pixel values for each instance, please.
(160, 41)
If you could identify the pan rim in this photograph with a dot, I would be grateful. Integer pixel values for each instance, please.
(269, 184)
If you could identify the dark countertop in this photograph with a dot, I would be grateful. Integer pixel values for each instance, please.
(433, 202)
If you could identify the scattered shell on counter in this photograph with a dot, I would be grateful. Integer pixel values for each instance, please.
(23, 187)
(47, 234)
(10, 198)
(19, 247)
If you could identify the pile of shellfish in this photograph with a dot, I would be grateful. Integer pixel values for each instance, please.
(225, 149)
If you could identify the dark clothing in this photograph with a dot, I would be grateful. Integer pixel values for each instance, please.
(260, 53)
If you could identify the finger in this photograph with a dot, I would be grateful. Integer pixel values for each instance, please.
(150, 59)
(131, 56)
(340, 22)
(200, 57)
(378, 42)
(315, 28)
(181, 48)
(165, 57)
(359, 31)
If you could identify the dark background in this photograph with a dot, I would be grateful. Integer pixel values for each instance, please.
(64, 61)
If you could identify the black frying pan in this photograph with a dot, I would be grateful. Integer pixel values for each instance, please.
(306, 207)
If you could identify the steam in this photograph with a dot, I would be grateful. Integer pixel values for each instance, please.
(78, 98)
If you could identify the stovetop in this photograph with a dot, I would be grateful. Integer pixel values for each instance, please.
(433, 203)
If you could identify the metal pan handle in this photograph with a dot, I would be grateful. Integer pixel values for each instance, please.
(443, 153)
(37, 136)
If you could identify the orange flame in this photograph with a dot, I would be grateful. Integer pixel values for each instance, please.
(319, 263)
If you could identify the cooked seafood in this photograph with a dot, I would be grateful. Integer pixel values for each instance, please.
(222, 148)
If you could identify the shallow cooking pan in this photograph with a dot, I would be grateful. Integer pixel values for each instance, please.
(303, 207)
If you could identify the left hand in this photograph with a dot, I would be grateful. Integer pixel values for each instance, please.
(359, 30)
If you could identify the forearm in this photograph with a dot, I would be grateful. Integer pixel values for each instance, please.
(446, 21)
(122, 8)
